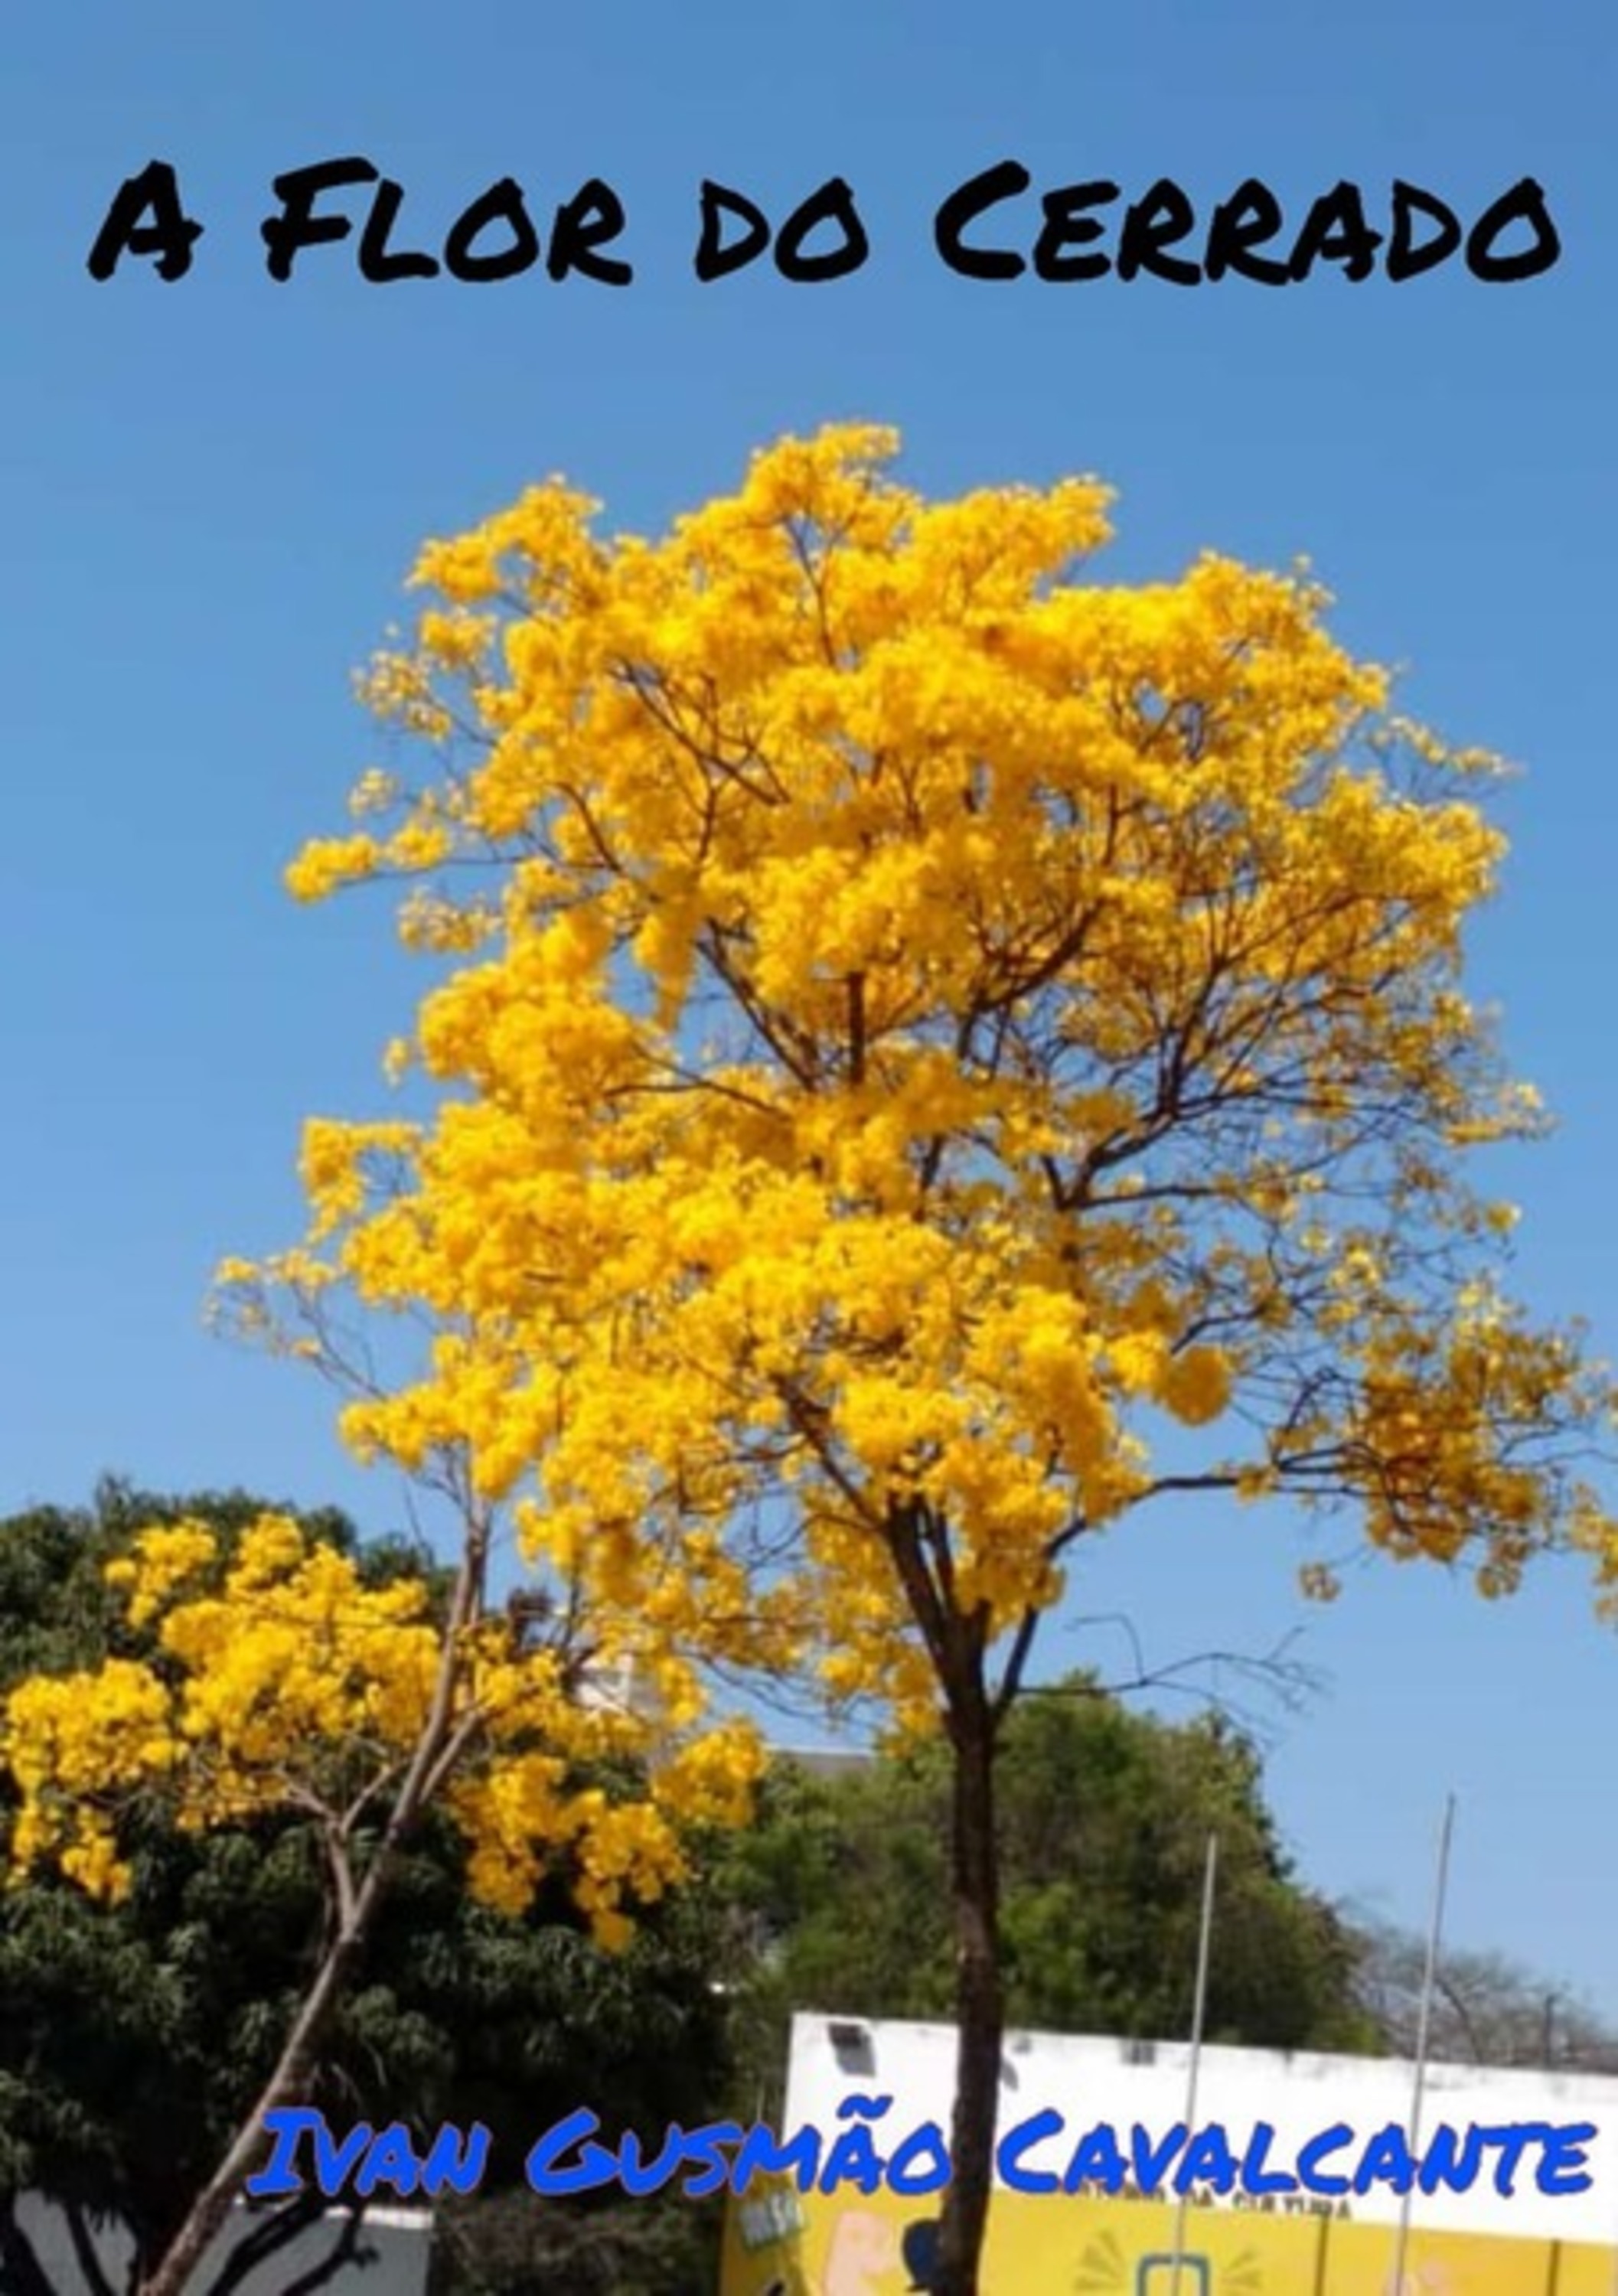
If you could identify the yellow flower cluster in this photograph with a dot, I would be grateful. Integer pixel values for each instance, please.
(926, 1015)
(280, 1681)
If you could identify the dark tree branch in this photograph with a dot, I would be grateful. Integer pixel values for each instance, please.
(85, 2251)
(268, 2234)
(344, 2249)
(24, 2272)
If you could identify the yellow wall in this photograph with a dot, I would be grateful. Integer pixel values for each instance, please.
(848, 2245)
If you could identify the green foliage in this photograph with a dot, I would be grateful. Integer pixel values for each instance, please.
(843, 1896)
(518, 2244)
(134, 2038)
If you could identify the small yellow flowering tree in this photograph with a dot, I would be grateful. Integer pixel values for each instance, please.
(915, 1027)
(280, 1682)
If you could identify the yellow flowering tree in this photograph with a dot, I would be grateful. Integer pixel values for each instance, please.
(278, 1680)
(929, 1053)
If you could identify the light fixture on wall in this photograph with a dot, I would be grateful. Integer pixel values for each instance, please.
(852, 2047)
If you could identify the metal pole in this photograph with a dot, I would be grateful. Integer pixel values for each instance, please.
(1198, 2004)
(1419, 2082)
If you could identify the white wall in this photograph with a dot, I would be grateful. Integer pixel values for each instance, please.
(1091, 2080)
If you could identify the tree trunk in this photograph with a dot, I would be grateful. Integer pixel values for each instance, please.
(211, 2209)
(979, 2002)
(433, 1759)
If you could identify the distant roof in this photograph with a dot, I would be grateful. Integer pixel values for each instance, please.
(823, 1761)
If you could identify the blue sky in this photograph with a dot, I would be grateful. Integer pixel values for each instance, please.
(215, 487)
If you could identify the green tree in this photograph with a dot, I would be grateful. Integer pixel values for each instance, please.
(134, 2037)
(842, 1890)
